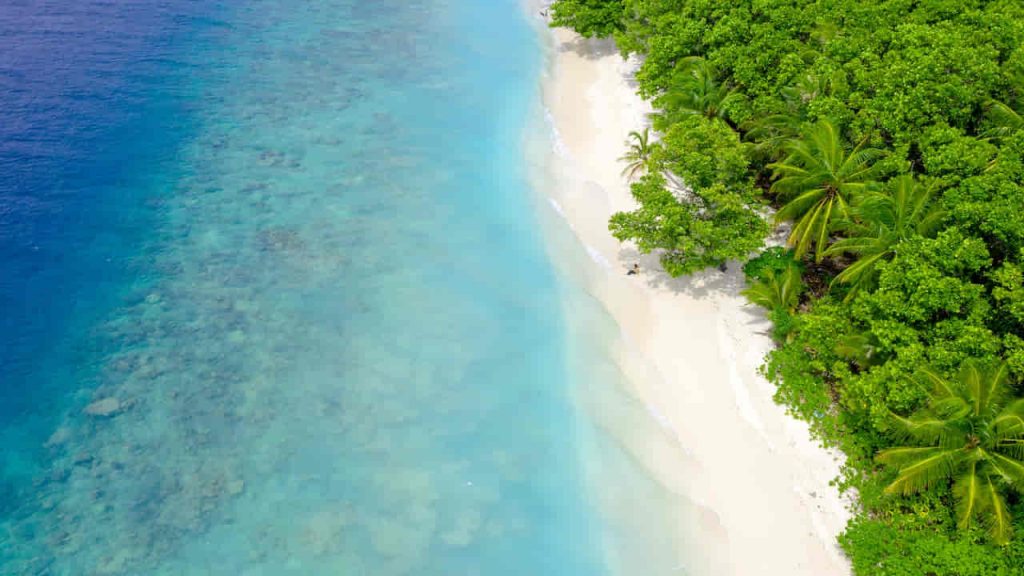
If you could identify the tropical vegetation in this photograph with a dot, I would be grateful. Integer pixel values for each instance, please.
(971, 432)
(638, 157)
(886, 137)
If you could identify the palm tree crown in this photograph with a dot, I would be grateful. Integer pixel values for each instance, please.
(695, 90)
(778, 290)
(971, 432)
(639, 155)
(818, 179)
(880, 221)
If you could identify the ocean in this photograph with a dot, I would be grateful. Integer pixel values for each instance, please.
(276, 298)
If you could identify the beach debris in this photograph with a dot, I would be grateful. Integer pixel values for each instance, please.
(104, 408)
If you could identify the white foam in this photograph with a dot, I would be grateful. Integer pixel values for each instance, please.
(743, 402)
(596, 256)
(557, 144)
(557, 207)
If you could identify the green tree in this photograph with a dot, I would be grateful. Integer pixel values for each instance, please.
(691, 230)
(589, 18)
(817, 180)
(695, 90)
(697, 153)
(638, 158)
(971, 432)
(882, 220)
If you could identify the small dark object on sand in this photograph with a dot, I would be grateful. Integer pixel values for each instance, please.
(722, 267)
(634, 271)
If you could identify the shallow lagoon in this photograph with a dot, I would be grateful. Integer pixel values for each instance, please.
(319, 331)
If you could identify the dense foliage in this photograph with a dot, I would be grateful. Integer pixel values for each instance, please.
(889, 136)
(589, 17)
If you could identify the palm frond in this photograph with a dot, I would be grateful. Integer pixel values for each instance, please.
(860, 275)
(925, 428)
(998, 517)
(939, 386)
(852, 245)
(969, 430)
(1012, 446)
(1004, 117)
(1008, 469)
(930, 223)
(804, 232)
(778, 290)
(818, 164)
(919, 468)
(968, 493)
(799, 205)
(1009, 424)
(833, 204)
(638, 156)
(998, 392)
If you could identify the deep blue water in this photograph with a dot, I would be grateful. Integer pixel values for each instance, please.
(273, 296)
(93, 108)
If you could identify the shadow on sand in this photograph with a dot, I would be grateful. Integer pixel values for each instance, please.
(705, 284)
(590, 48)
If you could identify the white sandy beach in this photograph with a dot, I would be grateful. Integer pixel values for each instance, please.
(752, 486)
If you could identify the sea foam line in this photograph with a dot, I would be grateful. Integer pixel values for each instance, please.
(557, 144)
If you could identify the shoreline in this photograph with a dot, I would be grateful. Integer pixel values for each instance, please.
(750, 486)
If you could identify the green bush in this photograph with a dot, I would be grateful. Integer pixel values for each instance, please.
(776, 259)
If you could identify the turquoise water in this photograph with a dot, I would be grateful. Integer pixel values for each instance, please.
(310, 312)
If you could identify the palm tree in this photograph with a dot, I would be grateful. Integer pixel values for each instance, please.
(1007, 117)
(972, 433)
(777, 290)
(771, 132)
(818, 179)
(638, 157)
(881, 221)
(695, 90)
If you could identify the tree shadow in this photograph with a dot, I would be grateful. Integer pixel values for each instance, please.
(700, 285)
(633, 63)
(756, 318)
(590, 48)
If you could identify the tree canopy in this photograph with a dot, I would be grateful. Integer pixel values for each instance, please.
(889, 135)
